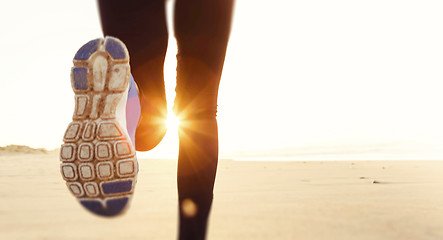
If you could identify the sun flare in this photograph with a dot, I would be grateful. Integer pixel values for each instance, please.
(172, 122)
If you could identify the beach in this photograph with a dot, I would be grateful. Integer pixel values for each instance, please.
(252, 200)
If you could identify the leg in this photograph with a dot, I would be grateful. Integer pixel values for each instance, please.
(141, 25)
(202, 30)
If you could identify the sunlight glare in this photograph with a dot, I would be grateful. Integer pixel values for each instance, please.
(172, 122)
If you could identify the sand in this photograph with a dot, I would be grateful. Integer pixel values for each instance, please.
(253, 200)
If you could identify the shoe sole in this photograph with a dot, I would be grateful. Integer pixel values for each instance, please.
(98, 159)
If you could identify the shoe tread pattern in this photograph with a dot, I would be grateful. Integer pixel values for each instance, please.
(98, 160)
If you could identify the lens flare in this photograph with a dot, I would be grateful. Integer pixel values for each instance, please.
(172, 122)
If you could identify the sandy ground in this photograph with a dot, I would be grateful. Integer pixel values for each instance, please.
(253, 200)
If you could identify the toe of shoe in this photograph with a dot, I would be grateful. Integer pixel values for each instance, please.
(112, 207)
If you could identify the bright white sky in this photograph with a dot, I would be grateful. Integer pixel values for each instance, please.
(298, 74)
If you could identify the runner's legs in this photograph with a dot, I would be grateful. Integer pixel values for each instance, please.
(141, 25)
(202, 30)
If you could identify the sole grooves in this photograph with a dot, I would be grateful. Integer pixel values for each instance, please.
(98, 159)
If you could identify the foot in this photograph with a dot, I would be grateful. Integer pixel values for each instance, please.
(132, 110)
(98, 157)
(151, 128)
(146, 128)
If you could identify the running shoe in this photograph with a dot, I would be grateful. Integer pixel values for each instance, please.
(98, 156)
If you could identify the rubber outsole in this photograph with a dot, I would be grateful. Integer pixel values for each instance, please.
(98, 159)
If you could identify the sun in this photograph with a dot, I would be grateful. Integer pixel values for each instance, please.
(172, 122)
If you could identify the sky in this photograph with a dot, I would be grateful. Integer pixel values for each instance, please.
(301, 78)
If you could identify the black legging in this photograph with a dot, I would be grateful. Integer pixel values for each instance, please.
(202, 30)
